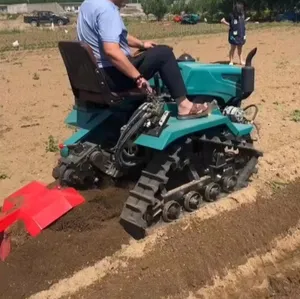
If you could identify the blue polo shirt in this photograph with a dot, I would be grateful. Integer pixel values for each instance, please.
(100, 21)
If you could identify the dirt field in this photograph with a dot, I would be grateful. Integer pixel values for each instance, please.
(245, 246)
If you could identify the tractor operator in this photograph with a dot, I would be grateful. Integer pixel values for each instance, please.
(100, 25)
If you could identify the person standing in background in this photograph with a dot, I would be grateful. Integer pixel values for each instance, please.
(237, 31)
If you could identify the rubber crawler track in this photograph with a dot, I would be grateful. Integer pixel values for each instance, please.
(143, 195)
(155, 177)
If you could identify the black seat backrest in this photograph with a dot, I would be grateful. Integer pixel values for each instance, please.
(86, 79)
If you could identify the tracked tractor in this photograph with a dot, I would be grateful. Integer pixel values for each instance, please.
(180, 165)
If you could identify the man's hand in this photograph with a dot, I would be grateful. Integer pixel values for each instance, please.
(149, 44)
(143, 84)
(138, 44)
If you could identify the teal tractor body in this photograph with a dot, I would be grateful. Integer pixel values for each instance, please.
(118, 135)
(227, 84)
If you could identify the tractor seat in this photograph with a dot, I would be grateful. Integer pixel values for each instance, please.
(87, 79)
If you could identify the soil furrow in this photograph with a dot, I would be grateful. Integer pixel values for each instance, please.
(188, 258)
(272, 275)
(77, 240)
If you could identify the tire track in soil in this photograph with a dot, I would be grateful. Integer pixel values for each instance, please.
(83, 236)
(281, 285)
(187, 258)
(272, 275)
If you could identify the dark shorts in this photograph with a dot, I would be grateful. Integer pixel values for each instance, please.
(236, 40)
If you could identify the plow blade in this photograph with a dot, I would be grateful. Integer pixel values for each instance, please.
(38, 207)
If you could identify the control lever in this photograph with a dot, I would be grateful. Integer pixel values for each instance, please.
(149, 93)
(157, 85)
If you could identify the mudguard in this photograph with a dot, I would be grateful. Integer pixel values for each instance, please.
(176, 129)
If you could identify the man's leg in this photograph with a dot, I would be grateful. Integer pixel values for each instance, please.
(162, 59)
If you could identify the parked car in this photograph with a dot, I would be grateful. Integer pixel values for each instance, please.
(46, 17)
(288, 16)
(187, 19)
(190, 19)
(177, 19)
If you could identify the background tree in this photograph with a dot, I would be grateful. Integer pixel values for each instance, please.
(156, 7)
(177, 7)
(214, 10)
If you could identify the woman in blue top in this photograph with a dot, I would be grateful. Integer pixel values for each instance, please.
(237, 31)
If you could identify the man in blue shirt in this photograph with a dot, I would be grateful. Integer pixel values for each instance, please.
(100, 26)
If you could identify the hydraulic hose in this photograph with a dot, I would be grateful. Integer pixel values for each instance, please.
(119, 152)
(256, 111)
(132, 119)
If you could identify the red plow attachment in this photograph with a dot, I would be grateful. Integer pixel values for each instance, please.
(38, 207)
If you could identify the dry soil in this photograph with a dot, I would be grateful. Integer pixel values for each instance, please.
(190, 259)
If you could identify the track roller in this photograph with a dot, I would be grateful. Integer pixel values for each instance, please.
(211, 192)
(171, 211)
(192, 201)
(68, 177)
(229, 183)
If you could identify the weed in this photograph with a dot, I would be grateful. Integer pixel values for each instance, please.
(296, 116)
(18, 63)
(36, 76)
(3, 176)
(276, 185)
(51, 145)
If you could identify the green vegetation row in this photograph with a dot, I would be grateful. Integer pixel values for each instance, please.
(38, 38)
(213, 10)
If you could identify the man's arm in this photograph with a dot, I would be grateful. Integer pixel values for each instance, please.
(135, 42)
(109, 30)
(122, 63)
(120, 60)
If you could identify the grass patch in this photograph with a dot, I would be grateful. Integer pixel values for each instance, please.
(10, 31)
(51, 145)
